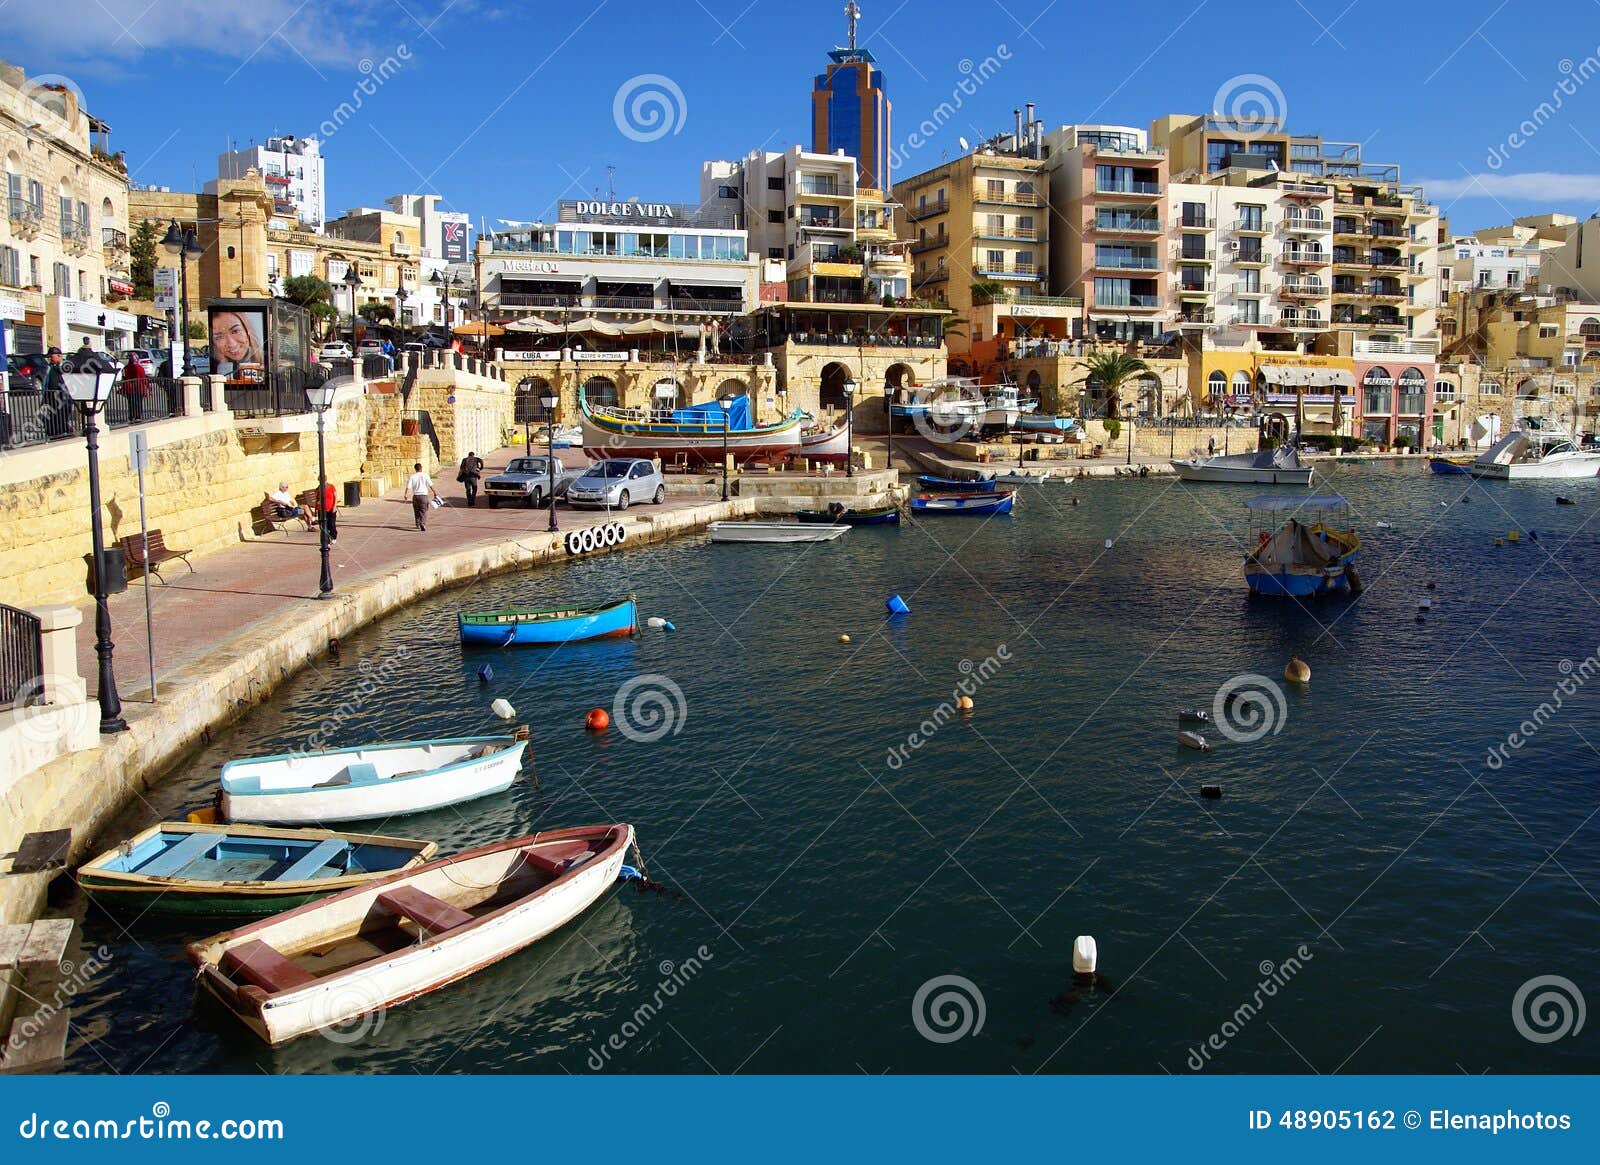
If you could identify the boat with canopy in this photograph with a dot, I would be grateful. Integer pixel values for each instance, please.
(1298, 559)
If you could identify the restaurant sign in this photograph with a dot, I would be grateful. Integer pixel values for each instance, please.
(607, 211)
(530, 267)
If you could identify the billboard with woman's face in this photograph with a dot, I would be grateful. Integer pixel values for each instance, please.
(237, 349)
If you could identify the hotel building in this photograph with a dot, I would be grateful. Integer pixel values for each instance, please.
(64, 259)
(293, 171)
(850, 112)
(826, 238)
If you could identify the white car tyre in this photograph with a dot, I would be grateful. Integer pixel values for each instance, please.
(574, 541)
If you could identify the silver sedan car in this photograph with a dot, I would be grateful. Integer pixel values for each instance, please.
(616, 483)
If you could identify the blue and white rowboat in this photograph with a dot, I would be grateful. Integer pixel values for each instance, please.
(548, 627)
(967, 503)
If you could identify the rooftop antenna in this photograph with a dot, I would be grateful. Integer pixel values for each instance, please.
(852, 14)
(611, 185)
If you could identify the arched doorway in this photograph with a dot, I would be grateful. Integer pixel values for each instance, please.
(1528, 390)
(733, 386)
(831, 394)
(600, 390)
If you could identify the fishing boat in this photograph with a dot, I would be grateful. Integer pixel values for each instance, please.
(1280, 466)
(949, 409)
(378, 946)
(1537, 451)
(1045, 423)
(967, 503)
(838, 514)
(774, 532)
(827, 445)
(1001, 407)
(369, 780)
(1450, 465)
(1024, 477)
(936, 484)
(218, 870)
(693, 436)
(566, 436)
(548, 627)
(1295, 559)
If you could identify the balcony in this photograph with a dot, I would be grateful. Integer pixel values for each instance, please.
(1115, 262)
(1250, 226)
(113, 240)
(1198, 222)
(821, 222)
(1023, 299)
(1262, 320)
(1190, 288)
(1350, 259)
(1252, 258)
(1424, 348)
(932, 243)
(1353, 231)
(1026, 234)
(75, 238)
(1197, 318)
(917, 214)
(1303, 322)
(402, 249)
(1305, 190)
(1303, 289)
(626, 302)
(1379, 259)
(1129, 303)
(1005, 198)
(1305, 258)
(1306, 224)
(1129, 189)
(823, 188)
(1124, 224)
(1198, 255)
(24, 217)
(1012, 269)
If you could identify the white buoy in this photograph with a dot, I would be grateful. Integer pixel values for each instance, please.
(1085, 955)
(1108, 544)
(503, 709)
(655, 621)
(1195, 741)
(1424, 604)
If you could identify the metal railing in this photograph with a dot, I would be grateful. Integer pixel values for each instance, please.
(1127, 262)
(1126, 188)
(29, 416)
(1130, 224)
(1316, 258)
(283, 396)
(21, 657)
(1134, 301)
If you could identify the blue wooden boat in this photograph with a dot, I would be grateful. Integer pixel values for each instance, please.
(930, 481)
(1450, 465)
(219, 870)
(549, 627)
(966, 503)
(1045, 423)
(1297, 560)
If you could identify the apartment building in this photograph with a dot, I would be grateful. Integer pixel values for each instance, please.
(292, 167)
(979, 232)
(64, 242)
(826, 238)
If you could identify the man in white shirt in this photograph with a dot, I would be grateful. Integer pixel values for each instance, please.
(287, 507)
(419, 488)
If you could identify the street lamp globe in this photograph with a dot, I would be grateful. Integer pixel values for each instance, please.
(549, 398)
(320, 396)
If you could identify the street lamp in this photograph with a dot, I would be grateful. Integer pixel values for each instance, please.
(726, 401)
(352, 280)
(447, 285)
(549, 398)
(320, 398)
(182, 242)
(849, 388)
(401, 295)
(1127, 413)
(91, 386)
(888, 421)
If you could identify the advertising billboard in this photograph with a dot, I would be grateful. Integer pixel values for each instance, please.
(454, 241)
(237, 343)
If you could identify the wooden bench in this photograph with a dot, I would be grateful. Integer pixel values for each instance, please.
(433, 916)
(260, 523)
(133, 548)
(260, 965)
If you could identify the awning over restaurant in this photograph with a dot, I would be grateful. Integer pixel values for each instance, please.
(1292, 375)
(533, 324)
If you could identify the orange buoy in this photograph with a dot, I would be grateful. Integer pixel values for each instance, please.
(964, 703)
(598, 720)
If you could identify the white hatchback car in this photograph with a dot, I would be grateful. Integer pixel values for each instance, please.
(617, 482)
(335, 350)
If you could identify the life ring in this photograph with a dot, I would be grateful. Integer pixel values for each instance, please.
(574, 541)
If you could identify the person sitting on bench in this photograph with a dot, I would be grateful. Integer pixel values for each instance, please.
(281, 506)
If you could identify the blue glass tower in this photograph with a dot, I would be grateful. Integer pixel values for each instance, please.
(849, 110)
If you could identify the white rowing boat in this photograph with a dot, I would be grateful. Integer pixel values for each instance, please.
(380, 945)
(774, 532)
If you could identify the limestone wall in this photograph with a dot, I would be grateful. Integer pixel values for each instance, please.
(206, 473)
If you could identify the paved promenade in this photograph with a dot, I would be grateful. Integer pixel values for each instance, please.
(254, 581)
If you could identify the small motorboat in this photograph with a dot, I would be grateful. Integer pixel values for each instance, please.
(1539, 450)
(1280, 466)
(1045, 423)
(1193, 716)
(965, 503)
(775, 532)
(1195, 741)
(1023, 477)
(1450, 465)
(378, 946)
(843, 515)
(220, 870)
(369, 780)
(1299, 560)
(937, 484)
(548, 627)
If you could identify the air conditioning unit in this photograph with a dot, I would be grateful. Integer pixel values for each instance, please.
(1233, 246)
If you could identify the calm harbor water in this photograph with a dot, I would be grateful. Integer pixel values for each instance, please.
(828, 870)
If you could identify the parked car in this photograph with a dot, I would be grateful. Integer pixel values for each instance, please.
(526, 480)
(26, 370)
(434, 340)
(199, 359)
(618, 482)
(335, 350)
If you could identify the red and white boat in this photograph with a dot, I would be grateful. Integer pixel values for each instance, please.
(830, 446)
(692, 436)
(389, 941)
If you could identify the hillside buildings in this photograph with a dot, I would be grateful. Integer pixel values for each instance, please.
(293, 170)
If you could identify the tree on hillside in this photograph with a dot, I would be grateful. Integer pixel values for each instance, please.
(1113, 371)
(142, 260)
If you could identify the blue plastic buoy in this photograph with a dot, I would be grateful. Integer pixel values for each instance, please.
(485, 674)
(896, 605)
(629, 874)
(668, 626)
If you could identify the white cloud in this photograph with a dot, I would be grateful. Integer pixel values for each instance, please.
(1538, 186)
(47, 36)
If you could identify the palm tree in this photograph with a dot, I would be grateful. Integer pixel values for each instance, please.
(1113, 370)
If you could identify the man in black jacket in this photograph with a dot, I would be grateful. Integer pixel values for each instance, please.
(55, 403)
(469, 474)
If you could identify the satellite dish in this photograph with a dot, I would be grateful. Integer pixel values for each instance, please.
(963, 142)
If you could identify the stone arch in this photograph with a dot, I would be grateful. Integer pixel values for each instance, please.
(1590, 328)
(1528, 389)
(831, 393)
(600, 390)
(733, 386)
(1217, 385)
(1035, 382)
(898, 376)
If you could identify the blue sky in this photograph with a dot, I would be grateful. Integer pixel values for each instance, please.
(503, 108)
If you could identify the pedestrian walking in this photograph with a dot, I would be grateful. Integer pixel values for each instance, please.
(135, 387)
(1211, 445)
(470, 473)
(419, 489)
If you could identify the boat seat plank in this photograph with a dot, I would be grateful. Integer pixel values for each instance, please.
(169, 862)
(320, 855)
(555, 859)
(260, 965)
(433, 915)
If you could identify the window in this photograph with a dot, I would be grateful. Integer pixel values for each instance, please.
(66, 217)
(996, 188)
(36, 198)
(775, 216)
(1250, 218)
(997, 260)
(1249, 251)
(1250, 282)
(1194, 247)
(1241, 384)
(10, 266)
(727, 192)
(62, 277)
(1249, 312)
(997, 225)
(775, 252)
(1192, 278)
(83, 284)
(1194, 214)
(775, 183)
(1217, 385)
(1024, 187)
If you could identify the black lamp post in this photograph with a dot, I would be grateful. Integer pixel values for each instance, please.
(352, 280)
(320, 398)
(447, 285)
(182, 242)
(726, 401)
(849, 388)
(91, 386)
(549, 398)
(1127, 413)
(400, 296)
(888, 421)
